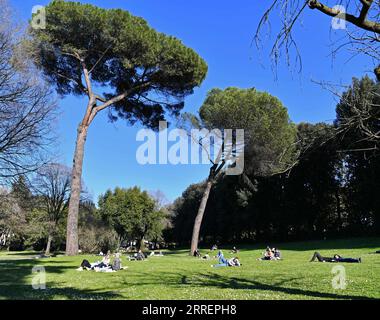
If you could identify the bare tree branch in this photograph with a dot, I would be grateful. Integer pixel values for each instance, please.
(27, 108)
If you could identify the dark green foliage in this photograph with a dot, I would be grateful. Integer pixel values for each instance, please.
(358, 117)
(122, 53)
(184, 210)
(21, 192)
(268, 131)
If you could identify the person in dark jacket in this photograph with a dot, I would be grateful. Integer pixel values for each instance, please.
(335, 258)
(197, 253)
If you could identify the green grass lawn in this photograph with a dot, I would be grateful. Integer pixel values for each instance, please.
(178, 276)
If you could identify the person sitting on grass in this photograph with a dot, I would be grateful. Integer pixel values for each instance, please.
(116, 265)
(277, 254)
(105, 261)
(140, 255)
(234, 250)
(335, 258)
(268, 255)
(197, 253)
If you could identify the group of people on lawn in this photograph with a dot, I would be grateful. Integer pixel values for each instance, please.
(105, 264)
(269, 254)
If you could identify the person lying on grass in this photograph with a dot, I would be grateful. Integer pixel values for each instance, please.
(156, 254)
(219, 254)
(197, 254)
(335, 258)
(223, 262)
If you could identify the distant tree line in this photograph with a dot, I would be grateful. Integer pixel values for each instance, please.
(33, 215)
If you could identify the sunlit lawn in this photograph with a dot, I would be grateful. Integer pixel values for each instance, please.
(178, 276)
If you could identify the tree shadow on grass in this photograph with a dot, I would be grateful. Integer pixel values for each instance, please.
(215, 280)
(16, 282)
(19, 253)
(52, 292)
(239, 283)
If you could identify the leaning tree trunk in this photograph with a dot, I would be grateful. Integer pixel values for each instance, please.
(140, 244)
(199, 217)
(48, 246)
(76, 175)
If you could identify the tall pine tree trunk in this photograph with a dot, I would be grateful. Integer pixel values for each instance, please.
(48, 246)
(72, 218)
(199, 217)
(338, 210)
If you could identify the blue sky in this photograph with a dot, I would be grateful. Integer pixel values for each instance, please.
(222, 33)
